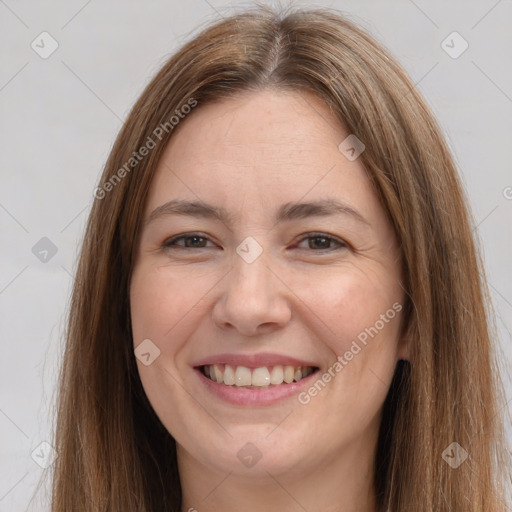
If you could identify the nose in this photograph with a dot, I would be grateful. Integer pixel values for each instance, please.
(253, 300)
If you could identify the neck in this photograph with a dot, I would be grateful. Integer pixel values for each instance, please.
(342, 484)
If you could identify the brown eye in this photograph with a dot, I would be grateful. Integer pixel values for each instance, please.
(195, 241)
(187, 241)
(320, 242)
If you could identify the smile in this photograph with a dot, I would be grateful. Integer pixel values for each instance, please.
(261, 377)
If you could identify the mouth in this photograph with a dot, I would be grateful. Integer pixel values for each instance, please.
(262, 379)
(256, 378)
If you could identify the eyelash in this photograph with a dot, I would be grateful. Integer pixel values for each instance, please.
(171, 243)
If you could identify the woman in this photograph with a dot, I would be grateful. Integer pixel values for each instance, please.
(278, 303)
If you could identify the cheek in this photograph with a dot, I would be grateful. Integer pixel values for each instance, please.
(364, 324)
(349, 304)
(359, 320)
(162, 303)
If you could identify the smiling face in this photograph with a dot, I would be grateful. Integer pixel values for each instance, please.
(268, 276)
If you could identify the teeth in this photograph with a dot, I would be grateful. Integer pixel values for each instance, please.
(276, 377)
(217, 373)
(241, 376)
(289, 374)
(260, 377)
(229, 376)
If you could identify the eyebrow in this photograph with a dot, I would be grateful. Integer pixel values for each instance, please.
(286, 212)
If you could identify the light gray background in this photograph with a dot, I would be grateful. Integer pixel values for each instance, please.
(60, 116)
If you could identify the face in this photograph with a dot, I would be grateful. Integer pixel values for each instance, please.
(266, 296)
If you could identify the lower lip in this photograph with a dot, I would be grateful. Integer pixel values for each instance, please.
(262, 396)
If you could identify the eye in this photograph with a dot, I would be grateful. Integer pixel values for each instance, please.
(187, 241)
(314, 241)
(321, 242)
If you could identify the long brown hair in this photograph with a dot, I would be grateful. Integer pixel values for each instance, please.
(114, 453)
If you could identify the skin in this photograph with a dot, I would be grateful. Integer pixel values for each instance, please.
(302, 297)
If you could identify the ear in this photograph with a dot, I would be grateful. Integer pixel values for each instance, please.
(404, 344)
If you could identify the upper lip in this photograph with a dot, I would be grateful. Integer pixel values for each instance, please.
(254, 360)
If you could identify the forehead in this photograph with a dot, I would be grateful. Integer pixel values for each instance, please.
(257, 149)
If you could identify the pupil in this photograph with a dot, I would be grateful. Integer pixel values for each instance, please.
(321, 242)
(194, 241)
